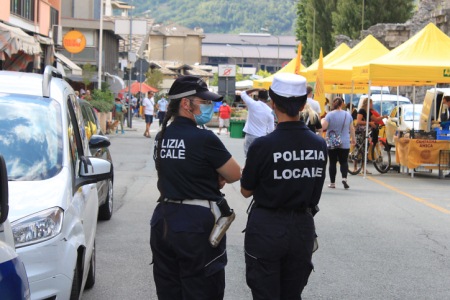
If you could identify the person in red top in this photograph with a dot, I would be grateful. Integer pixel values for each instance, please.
(224, 116)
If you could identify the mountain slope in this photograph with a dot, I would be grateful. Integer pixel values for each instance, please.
(226, 16)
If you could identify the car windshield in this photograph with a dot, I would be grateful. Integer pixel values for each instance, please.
(30, 137)
(384, 108)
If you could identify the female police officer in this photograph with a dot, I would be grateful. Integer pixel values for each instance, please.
(192, 165)
(284, 172)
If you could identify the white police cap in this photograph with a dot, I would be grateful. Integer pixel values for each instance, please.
(289, 85)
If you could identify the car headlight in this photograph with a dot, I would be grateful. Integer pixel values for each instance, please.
(38, 227)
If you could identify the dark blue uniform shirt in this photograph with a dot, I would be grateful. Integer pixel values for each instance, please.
(286, 169)
(189, 159)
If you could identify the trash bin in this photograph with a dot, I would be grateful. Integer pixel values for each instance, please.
(237, 128)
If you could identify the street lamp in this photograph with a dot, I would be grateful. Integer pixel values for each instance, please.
(278, 40)
(242, 57)
(259, 53)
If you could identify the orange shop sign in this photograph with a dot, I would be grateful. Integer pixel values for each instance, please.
(74, 41)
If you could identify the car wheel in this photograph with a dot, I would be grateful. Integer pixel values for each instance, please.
(90, 281)
(105, 210)
(76, 283)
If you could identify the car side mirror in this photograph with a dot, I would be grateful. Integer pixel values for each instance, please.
(92, 170)
(99, 141)
(4, 207)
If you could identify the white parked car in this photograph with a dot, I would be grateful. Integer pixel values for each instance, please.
(52, 182)
(385, 103)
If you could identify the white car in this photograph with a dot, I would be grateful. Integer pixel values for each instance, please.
(384, 103)
(52, 182)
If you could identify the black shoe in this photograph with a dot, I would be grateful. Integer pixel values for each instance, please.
(346, 186)
(447, 176)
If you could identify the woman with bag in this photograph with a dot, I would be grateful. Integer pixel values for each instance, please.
(340, 134)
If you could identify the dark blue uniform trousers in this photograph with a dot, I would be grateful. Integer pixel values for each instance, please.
(185, 266)
(278, 251)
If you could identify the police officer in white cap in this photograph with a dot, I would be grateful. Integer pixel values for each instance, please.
(193, 165)
(285, 173)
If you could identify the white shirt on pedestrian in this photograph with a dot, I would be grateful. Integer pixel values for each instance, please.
(162, 104)
(314, 105)
(260, 120)
(149, 105)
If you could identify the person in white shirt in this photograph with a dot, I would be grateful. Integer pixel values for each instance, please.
(162, 109)
(313, 103)
(260, 120)
(149, 106)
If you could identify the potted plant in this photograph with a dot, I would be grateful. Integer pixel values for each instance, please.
(103, 102)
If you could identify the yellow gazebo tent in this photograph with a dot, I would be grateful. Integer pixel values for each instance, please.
(310, 72)
(424, 59)
(266, 82)
(339, 72)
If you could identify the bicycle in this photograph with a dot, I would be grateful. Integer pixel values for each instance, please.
(380, 153)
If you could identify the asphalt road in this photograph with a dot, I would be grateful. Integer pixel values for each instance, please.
(387, 237)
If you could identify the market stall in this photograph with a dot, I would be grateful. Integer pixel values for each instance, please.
(422, 60)
(429, 154)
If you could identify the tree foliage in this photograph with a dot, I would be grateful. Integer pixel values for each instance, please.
(88, 71)
(349, 17)
(318, 21)
(230, 16)
(102, 100)
(154, 78)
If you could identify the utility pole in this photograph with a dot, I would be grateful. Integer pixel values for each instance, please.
(129, 64)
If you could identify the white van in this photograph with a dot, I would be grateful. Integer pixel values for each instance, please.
(432, 108)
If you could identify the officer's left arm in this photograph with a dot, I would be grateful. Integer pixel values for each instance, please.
(319, 181)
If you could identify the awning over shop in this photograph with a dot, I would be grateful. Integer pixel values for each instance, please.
(76, 70)
(14, 39)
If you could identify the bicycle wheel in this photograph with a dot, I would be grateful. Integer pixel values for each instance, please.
(381, 157)
(355, 161)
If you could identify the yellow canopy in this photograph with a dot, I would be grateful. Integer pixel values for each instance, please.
(310, 72)
(340, 70)
(266, 82)
(424, 59)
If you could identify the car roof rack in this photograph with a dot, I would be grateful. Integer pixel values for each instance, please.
(49, 73)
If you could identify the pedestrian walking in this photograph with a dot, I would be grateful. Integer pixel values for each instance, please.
(149, 108)
(224, 116)
(284, 172)
(260, 120)
(341, 122)
(161, 106)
